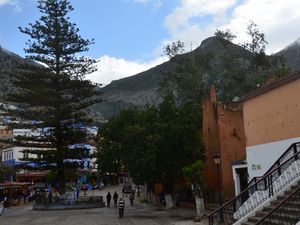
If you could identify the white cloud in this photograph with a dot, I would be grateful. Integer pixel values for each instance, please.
(155, 3)
(111, 68)
(142, 1)
(16, 6)
(277, 19)
(4, 2)
(194, 20)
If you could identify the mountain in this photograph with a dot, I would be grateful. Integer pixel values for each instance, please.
(8, 61)
(142, 88)
(291, 54)
(225, 65)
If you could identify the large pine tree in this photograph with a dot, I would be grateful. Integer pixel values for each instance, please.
(56, 95)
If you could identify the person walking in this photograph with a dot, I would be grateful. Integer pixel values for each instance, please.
(131, 198)
(121, 207)
(115, 197)
(108, 198)
(50, 197)
(2, 204)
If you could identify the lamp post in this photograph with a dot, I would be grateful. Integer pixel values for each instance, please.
(217, 160)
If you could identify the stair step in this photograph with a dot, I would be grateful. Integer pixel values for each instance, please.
(254, 219)
(280, 220)
(247, 223)
(267, 209)
(261, 214)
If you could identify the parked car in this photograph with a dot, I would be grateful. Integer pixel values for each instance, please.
(127, 188)
(98, 186)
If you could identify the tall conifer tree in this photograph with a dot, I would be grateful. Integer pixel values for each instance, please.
(57, 94)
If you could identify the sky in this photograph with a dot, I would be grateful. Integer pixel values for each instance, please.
(129, 35)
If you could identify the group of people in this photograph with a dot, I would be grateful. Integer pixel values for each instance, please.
(120, 204)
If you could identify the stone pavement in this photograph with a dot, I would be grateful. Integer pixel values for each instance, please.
(139, 214)
(24, 215)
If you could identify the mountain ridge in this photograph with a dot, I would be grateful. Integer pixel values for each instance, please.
(143, 88)
(291, 53)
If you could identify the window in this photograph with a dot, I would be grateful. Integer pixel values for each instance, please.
(25, 155)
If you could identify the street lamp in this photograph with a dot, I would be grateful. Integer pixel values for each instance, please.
(217, 160)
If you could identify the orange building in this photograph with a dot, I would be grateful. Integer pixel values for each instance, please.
(223, 134)
(271, 120)
(5, 135)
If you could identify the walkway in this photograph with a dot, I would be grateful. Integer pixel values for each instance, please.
(139, 214)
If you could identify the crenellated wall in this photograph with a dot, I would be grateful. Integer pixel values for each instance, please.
(223, 133)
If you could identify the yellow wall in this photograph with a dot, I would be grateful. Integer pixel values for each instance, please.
(273, 116)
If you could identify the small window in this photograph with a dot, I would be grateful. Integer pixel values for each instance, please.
(25, 155)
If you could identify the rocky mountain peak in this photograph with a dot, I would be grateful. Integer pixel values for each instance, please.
(293, 44)
(291, 54)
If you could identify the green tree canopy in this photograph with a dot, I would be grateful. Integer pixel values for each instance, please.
(226, 35)
(6, 171)
(258, 42)
(56, 95)
(155, 143)
(173, 49)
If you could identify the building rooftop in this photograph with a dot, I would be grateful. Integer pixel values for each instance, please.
(271, 86)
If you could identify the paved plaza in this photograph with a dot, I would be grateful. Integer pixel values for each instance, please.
(139, 214)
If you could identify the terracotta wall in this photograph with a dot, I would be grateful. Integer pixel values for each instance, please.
(273, 116)
(232, 142)
(6, 133)
(210, 138)
(223, 133)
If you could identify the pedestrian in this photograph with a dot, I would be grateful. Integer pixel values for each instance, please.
(50, 197)
(77, 191)
(121, 207)
(84, 189)
(138, 190)
(2, 206)
(115, 197)
(131, 198)
(108, 198)
(162, 198)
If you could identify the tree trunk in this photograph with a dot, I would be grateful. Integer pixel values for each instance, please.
(199, 207)
(62, 182)
(169, 201)
(199, 201)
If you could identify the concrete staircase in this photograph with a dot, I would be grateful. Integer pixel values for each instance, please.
(288, 175)
(290, 212)
(271, 199)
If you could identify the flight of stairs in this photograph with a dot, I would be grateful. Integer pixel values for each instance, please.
(291, 210)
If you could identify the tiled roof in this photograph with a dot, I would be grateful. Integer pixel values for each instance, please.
(273, 85)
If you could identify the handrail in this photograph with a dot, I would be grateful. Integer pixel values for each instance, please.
(265, 183)
(277, 162)
(278, 206)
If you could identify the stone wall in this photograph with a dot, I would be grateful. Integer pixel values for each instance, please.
(223, 134)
